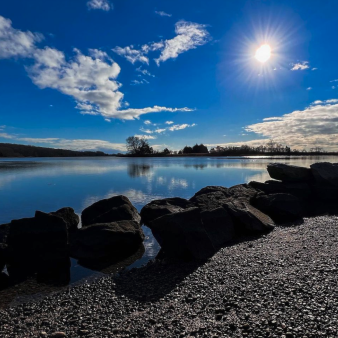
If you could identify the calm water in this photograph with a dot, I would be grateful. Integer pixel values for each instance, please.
(48, 184)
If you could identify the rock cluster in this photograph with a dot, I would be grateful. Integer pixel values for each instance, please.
(43, 244)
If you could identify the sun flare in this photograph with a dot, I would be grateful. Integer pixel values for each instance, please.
(263, 53)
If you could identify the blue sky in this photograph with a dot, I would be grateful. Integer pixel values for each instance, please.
(88, 74)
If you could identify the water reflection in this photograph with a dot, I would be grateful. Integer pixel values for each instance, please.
(137, 170)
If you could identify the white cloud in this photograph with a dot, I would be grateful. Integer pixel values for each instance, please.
(169, 122)
(100, 4)
(148, 131)
(90, 79)
(333, 87)
(139, 82)
(160, 130)
(144, 72)
(161, 13)
(146, 137)
(131, 54)
(189, 36)
(147, 122)
(314, 68)
(315, 126)
(336, 80)
(300, 66)
(181, 126)
(16, 43)
(308, 88)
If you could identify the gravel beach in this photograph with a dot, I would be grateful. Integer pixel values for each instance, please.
(283, 284)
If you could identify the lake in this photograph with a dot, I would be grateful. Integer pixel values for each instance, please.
(48, 184)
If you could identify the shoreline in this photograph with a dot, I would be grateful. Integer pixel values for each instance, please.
(275, 285)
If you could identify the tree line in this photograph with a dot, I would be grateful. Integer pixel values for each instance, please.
(139, 146)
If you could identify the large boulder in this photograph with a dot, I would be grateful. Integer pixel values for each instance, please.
(4, 281)
(301, 190)
(37, 241)
(280, 207)
(242, 192)
(101, 240)
(211, 188)
(325, 173)
(117, 208)
(247, 219)
(210, 200)
(289, 173)
(2, 256)
(219, 226)
(69, 216)
(158, 208)
(183, 235)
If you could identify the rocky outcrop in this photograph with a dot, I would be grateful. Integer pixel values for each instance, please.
(183, 235)
(98, 241)
(117, 208)
(209, 200)
(2, 257)
(289, 173)
(301, 190)
(69, 216)
(219, 226)
(248, 219)
(325, 173)
(280, 207)
(166, 206)
(37, 241)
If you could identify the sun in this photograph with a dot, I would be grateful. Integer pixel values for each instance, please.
(263, 53)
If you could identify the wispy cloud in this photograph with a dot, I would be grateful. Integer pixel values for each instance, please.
(146, 137)
(139, 82)
(144, 72)
(147, 122)
(100, 4)
(189, 36)
(16, 43)
(131, 54)
(169, 122)
(300, 66)
(336, 80)
(181, 126)
(316, 125)
(161, 13)
(308, 88)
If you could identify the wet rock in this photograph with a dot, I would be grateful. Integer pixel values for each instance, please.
(289, 173)
(37, 241)
(325, 173)
(247, 219)
(219, 226)
(182, 235)
(107, 239)
(117, 208)
(166, 206)
(280, 207)
(69, 216)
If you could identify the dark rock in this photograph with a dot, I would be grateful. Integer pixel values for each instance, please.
(247, 219)
(107, 239)
(211, 188)
(69, 216)
(4, 281)
(219, 226)
(289, 173)
(34, 241)
(301, 190)
(325, 193)
(166, 206)
(2, 256)
(117, 208)
(242, 191)
(183, 235)
(280, 207)
(325, 173)
(210, 201)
